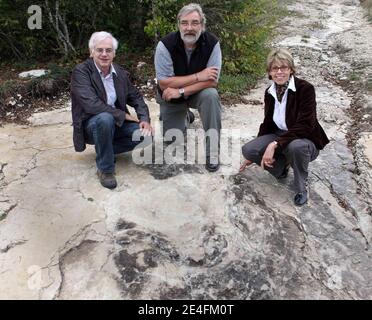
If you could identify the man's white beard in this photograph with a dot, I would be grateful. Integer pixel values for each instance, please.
(190, 39)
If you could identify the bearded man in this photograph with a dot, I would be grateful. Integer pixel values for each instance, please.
(188, 64)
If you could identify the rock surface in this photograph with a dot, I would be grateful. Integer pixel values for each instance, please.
(33, 73)
(177, 231)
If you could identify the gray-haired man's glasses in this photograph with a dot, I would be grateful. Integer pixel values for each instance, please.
(194, 23)
(102, 50)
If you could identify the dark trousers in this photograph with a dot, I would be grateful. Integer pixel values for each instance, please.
(298, 153)
(207, 101)
(109, 139)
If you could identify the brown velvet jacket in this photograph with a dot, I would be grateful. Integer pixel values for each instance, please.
(300, 116)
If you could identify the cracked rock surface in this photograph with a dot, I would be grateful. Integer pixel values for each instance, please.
(179, 232)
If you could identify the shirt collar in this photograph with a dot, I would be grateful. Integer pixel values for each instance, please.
(291, 86)
(112, 69)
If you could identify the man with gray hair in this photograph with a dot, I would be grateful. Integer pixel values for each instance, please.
(188, 64)
(100, 93)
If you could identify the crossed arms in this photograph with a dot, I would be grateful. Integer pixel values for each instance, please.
(193, 83)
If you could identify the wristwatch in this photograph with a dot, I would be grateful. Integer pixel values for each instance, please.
(182, 92)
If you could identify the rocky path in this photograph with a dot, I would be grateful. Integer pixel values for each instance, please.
(178, 231)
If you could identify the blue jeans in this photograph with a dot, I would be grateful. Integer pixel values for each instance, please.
(109, 139)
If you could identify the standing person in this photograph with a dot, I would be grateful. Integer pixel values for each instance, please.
(290, 134)
(188, 63)
(100, 92)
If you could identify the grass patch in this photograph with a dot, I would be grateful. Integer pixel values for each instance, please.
(56, 81)
(233, 87)
(7, 88)
(354, 76)
(368, 84)
(2, 215)
(367, 4)
(19, 97)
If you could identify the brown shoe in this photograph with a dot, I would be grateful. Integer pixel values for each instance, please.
(107, 179)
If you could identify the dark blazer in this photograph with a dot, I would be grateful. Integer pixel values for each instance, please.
(88, 98)
(300, 116)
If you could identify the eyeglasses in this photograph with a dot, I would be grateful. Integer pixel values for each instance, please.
(283, 68)
(194, 23)
(102, 50)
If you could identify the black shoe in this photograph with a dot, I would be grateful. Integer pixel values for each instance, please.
(284, 173)
(212, 167)
(190, 116)
(300, 198)
(107, 179)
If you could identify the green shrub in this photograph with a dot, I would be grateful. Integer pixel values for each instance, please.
(232, 85)
(243, 26)
(8, 88)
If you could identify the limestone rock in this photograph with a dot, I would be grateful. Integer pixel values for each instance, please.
(33, 73)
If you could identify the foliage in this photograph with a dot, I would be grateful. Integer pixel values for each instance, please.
(77, 19)
(244, 38)
(53, 83)
(7, 88)
(243, 27)
(15, 38)
(235, 85)
(162, 17)
(367, 4)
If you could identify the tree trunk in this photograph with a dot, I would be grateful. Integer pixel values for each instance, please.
(59, 24)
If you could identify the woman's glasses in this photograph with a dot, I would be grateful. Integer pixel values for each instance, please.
(283, 68)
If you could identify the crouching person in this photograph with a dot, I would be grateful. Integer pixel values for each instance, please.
(100, 93)
(290, 135)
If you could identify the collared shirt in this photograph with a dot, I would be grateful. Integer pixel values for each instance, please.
(280, 107)
(108, 83)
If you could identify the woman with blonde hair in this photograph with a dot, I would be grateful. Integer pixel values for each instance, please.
(290, 135)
